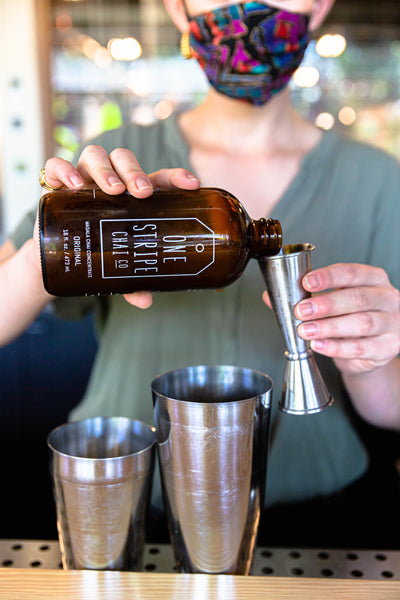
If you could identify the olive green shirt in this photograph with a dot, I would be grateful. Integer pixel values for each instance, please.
(345, 200)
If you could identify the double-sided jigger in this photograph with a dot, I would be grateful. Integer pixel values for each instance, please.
(304, 391)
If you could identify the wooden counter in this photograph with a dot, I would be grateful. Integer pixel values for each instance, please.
(30, 584)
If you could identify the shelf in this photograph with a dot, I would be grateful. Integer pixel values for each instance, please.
(269, 562)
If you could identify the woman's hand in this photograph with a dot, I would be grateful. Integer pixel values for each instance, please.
(114, 174)
(354, 318)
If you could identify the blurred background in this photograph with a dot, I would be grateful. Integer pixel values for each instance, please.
(70, 69)
(73, 68)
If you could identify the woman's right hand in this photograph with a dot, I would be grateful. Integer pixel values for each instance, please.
(115, 173)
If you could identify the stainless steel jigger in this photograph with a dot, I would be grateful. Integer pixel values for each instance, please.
(304, 392)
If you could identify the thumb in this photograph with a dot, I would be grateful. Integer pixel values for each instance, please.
(139, 299)
(266, 299)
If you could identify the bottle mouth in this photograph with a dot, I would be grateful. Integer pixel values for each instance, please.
(275, 234)
(265, 237)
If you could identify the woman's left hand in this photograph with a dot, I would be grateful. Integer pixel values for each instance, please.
(353, 318)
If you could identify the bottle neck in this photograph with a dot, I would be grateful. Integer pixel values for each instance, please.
(264, 237)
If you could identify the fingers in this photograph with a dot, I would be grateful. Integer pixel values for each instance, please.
(344, 275)
(356, 288)
(375, 350)
(357, 322)
(350, 300)
(139, 299)
(175, 178)
(366, 324)
(115, 173)
(129, 171)
(139, 184)
(59, 173)
(96, 167)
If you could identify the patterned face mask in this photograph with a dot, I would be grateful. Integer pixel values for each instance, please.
(250, 50)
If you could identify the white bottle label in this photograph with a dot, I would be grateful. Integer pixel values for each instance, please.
(133, 248)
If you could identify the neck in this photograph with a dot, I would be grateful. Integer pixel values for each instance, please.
(238, 127)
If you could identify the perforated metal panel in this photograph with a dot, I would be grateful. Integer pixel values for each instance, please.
(282, 562)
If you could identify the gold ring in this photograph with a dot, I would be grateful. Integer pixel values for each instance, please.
(43, 182)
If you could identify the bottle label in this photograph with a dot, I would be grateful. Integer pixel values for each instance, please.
(133, 248)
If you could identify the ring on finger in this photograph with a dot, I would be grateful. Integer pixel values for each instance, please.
(43, 182)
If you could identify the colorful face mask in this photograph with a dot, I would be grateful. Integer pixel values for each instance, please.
(249, 50)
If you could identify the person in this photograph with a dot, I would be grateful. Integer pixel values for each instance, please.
(341, 195)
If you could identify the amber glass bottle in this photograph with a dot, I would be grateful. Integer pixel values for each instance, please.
(93, 243)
